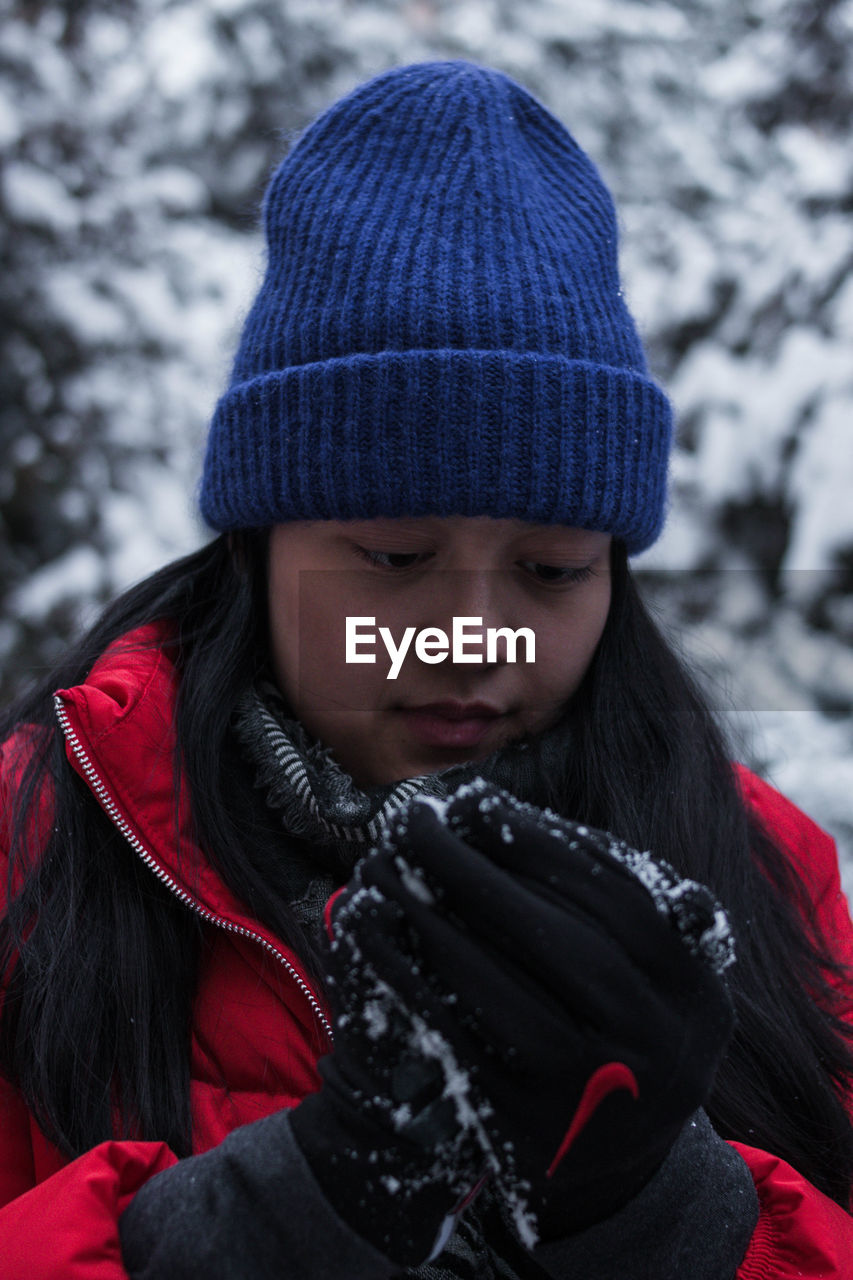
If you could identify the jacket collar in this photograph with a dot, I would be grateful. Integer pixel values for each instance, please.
(119, 728)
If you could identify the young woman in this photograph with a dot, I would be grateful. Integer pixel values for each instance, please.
(380, 897)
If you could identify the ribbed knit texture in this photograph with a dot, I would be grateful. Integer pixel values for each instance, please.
(441, 328)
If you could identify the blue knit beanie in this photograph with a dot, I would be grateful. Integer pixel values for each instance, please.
(441, 328)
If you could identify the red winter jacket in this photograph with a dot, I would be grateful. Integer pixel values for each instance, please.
(258, 1027)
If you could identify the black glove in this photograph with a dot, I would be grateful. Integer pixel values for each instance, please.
(563, 989)
(382, 1136)
(583, 973)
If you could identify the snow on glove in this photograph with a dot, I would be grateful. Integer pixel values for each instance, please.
(383, 1135)
(583, 979)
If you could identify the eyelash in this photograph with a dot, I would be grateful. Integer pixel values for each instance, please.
(582, 574)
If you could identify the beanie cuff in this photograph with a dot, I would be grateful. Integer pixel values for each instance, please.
(514, 435)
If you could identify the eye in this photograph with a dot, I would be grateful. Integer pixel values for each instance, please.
(389, 559)
(554, 575)
(546, 574)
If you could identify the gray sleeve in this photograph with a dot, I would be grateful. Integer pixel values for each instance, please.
(251, 1207)
(248, 1207)
(695, 1218)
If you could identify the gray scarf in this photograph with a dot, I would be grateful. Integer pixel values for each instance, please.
(336, 823)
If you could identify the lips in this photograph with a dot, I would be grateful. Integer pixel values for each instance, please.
(459, 710)
(451, 724)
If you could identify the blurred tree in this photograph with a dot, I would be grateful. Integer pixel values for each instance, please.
(136, 138)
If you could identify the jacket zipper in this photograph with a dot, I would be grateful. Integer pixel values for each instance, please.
(111, 809)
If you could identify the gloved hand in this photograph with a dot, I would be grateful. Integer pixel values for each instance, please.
(383, 1136)
(567, 988)
(587, 979)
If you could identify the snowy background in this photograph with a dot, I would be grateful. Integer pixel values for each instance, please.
(136, 139)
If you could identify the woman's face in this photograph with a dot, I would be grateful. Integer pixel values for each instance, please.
(411, 574)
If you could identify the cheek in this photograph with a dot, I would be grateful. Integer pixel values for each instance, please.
(312, 644)
(568, 642)
(284, 631)
(595, 618)
(305, 635)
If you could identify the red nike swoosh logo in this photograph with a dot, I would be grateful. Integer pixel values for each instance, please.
(603, 1081)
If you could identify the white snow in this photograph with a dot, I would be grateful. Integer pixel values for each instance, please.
(34, 195)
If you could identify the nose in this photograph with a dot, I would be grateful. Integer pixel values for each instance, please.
(470, 593)
(464, 592)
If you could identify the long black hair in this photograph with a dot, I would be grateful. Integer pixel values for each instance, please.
(100, 961)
